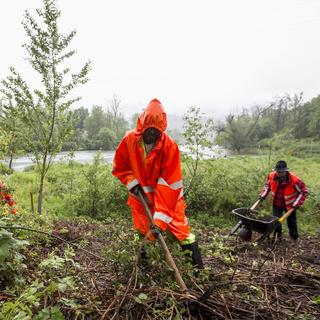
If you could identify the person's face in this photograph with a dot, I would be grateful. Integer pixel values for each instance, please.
(281, 174)
(151, 135)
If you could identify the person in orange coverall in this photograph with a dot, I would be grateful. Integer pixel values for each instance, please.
(147, 159)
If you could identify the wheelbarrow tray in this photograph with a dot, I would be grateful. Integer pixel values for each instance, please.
(264, 225)
(258, 224)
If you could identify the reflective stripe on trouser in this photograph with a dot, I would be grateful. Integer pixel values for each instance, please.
(178, 226)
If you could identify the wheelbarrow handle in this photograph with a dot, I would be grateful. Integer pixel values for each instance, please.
(255, 204)
(163, 244)
(235, 228)
(286, 215)
(274, 225)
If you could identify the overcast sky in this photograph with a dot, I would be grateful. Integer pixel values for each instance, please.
(218, 55)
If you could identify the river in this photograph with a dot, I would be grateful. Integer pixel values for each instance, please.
(20, 163)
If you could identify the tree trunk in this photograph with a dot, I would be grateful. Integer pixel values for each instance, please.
(42, 175)
(11, 160)
(40, 196)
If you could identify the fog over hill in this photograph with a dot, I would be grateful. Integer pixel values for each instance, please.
(175, 122)
(175, 126)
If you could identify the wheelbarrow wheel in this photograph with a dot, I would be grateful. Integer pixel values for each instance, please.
(245, 234)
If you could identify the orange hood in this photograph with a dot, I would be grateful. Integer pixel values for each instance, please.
(153, 116)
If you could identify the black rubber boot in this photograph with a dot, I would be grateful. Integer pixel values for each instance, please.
(143, 263)
(192, 252)
(143, 259)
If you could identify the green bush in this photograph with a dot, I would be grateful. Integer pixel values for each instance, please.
(32, 167)
(5, 170)
(221, 186)
(10, 258)
(225, 184)
(97, 193)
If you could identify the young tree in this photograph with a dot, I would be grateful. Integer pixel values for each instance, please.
(198, 135)
(3, 142)
(15, 130)
(116, 121)
(114, 109)
(45, 110)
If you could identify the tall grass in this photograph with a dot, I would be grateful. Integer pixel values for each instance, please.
(221, 185)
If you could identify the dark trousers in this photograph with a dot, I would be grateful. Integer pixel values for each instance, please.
(291, 221)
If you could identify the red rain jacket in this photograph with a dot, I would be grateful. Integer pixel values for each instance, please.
(295, 191)
(158, 173)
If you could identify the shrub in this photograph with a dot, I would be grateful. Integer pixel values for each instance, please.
(5, 170)
(98, 194)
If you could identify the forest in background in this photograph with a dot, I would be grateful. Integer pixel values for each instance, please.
(286, 122)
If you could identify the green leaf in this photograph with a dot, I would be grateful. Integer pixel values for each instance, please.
(22, 315)
(52, 313)
(70, 303)
(65, 283)
(316, 300)
(143, 296)
(136, 299)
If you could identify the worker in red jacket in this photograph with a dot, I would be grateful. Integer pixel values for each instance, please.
(147, 159)
(288, 191)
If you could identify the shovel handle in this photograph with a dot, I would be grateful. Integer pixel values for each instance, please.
(286, 215)
(163, 245)
(255, 204)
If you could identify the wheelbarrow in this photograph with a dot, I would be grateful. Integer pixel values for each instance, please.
(250, 221)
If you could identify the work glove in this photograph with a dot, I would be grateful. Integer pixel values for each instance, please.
(135, 190)
(156, 231)
(261, 198)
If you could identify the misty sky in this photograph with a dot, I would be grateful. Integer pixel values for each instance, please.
(218, 55)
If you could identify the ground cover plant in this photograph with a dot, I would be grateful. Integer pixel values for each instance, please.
(247, 281)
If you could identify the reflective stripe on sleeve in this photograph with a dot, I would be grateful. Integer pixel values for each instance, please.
(162, 217)
(132, 184)
(298, 199)
(175, 186)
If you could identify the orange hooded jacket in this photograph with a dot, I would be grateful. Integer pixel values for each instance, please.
(158, 173)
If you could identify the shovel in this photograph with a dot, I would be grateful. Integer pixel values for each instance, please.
(163, 244)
